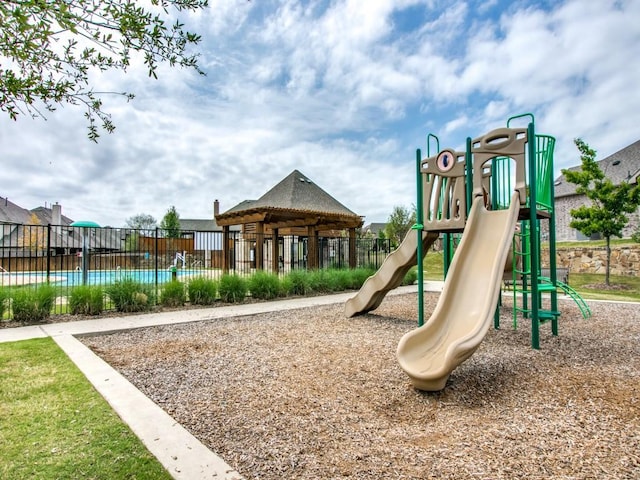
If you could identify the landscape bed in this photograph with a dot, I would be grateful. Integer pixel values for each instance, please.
(310, 394)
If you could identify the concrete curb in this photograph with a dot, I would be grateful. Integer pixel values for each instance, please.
(180, 453)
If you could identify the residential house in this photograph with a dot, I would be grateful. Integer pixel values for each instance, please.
(622, 166)
(373, 230)
(26, 235)
(24, 229)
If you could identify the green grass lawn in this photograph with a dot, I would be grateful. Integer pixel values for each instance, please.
(623, 288)
(55, 425)
(617, 242)
(433, 265)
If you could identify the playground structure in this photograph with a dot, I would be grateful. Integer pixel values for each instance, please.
(496, 193)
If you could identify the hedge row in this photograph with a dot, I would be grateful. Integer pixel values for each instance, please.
(35, 305)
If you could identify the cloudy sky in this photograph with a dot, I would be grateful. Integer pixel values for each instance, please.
(342, 90)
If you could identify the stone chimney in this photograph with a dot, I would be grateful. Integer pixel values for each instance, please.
(216, 207)
(56, 220)
(56, 214)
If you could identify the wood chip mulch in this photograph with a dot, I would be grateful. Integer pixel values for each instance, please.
(309, 394)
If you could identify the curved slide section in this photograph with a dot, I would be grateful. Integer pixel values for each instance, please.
(390, 274)
(468, 301)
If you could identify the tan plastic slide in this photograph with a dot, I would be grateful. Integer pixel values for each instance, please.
(469, 298)
(390, 274)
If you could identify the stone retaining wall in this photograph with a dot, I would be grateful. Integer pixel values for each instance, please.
(624, 260)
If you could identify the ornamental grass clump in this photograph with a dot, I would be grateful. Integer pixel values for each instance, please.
(232, 288)
(33, 305)
(359, 276)
(173, 294)
(4, 302)
(129, 295)
(338, 279)
(202, 291)
(410, 277)
(264, 286)
(319, 281)
(298, 282)
(86, 300)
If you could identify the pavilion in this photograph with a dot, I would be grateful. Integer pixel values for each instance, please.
(294, 207)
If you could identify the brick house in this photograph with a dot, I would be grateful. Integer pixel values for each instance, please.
(622, 166)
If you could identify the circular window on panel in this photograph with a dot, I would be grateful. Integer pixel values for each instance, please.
(446, 160)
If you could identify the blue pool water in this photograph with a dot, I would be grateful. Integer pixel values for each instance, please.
(102, 277)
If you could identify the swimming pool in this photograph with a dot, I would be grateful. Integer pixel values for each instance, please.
(94, 277)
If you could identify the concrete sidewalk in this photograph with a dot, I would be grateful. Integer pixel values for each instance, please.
(180, 453)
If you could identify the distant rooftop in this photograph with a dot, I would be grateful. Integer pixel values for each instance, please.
(622, 166)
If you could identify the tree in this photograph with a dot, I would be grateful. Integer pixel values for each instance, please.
(171, 223)
(142, 221)
(609, 202)
(399, 223)
(144, 224)
(33, 235)
(49, 49)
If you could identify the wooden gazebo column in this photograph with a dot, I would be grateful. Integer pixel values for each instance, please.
(353, 259)
(275, 251)
(259, 246)
(225, 249)
(312, 253)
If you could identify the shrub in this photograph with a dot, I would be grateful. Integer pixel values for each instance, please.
(86, 300)
(338, 280)
(264, 286)
(128, 295)
(233, 288)
(33, 305)
(286, 286)
(359, 276)
(202, 291)
(173, 294)
(319, 281)
(4, 300)
(410, 277)
(298, 282)
(635, 236)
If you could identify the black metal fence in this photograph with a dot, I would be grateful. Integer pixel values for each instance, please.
(66, 256)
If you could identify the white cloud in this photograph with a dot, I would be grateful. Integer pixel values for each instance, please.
(338, 91)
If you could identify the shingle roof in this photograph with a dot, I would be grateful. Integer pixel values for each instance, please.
(199, 225)
(243, 205)
(12, 213)
(622, 166)
(296, 192)
(374, 227)
(45, 215)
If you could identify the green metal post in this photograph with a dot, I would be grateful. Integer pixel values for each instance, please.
(419, 227)
(48, 252)
(495, 172)
(533, 238)
(552, 249)
(468, 182)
